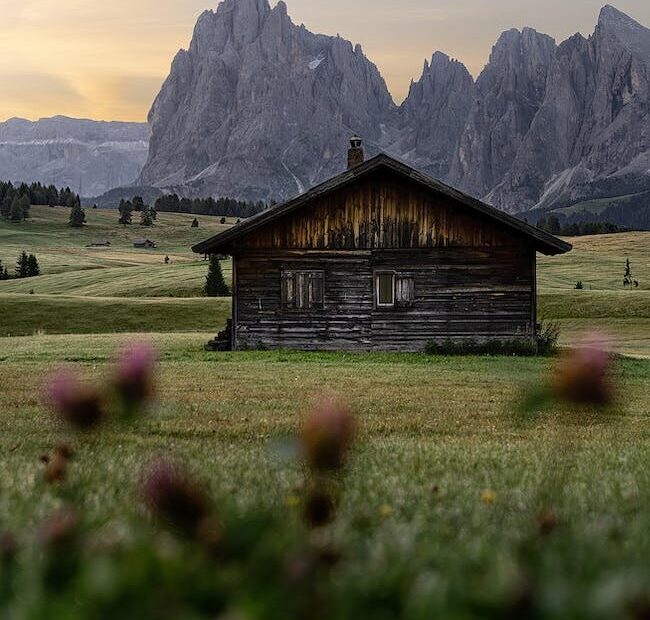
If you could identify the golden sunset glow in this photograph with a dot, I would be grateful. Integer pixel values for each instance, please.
(107, 60)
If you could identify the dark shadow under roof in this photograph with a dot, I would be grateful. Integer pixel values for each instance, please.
(544, 242)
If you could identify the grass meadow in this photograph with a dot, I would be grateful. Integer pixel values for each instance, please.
(441, 500)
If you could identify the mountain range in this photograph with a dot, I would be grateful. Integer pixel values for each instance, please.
(88, 156)
(260, 108)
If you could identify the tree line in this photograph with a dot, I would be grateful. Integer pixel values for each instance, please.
(555, 226)
(26, 267)
(16, 200)
(228, 207)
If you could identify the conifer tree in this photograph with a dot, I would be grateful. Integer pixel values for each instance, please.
(33, 268)
(146, 217)
(22, 269)
(77, 216)
(126, 212)
(25, 204)
(16, 210)
(215, 285)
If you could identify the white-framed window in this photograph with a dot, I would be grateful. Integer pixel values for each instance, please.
(302, 290)
(385, 289)
(393, 289)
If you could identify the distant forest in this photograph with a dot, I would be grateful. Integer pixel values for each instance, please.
(38, 194)
(228, 207)
(554, 225)
(15, 201)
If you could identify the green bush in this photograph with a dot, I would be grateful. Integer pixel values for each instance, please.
(496, 346)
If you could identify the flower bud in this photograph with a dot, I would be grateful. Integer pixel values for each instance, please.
(327, 435)
(77, 404)
(170, 494)
(583, 375)
(134, 373)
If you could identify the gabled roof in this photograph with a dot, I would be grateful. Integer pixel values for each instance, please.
(544, 242)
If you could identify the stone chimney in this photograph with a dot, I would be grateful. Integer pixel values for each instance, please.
(355, 154)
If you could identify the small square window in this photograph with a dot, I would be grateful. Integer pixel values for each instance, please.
(302, 289)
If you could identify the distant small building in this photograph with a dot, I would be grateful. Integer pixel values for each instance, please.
(145, 244)
(100, 243)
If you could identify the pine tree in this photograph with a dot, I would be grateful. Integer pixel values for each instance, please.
(16, 211)
(77, 216)
(627, 277)
(146, 217)
(22, 269)
(5, 205)
(126, 212)
(33, 268)
(195, 223)
(3, 272)
(215, 286)
(25, 204)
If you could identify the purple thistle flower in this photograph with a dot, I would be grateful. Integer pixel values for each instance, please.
(78, 404)
(327, 435)
(134, 373)
(583, 375)
(171, 495)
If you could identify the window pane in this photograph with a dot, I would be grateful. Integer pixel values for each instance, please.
(386, 289)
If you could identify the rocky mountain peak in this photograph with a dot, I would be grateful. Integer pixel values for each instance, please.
(631, 34)
(260, 108)
(611, 16)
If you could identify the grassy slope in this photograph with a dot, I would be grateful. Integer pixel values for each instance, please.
(599, 262)
(70, 268)
(425, 422)
(53, 314)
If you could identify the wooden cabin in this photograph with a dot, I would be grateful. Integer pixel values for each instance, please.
(144, 244)
(381, 257)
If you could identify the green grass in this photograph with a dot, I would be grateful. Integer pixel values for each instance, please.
(68, 267)
(183, 279)
(599, 262)
(434, 434)
(59, 314)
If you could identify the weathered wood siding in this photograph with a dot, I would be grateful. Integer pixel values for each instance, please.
(379, 213)
(344, 322)
(481, 294)
(472, 279)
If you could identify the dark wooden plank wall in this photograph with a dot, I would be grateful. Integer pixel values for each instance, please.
(379, 213)
(344, 323)
(481, 294)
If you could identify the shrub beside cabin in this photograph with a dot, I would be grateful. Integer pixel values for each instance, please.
(381, 257)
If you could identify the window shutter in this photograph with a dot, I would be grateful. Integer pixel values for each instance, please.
(405, 290)
(315, 290)
(288, 289)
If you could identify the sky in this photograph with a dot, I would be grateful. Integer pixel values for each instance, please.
(106, 59)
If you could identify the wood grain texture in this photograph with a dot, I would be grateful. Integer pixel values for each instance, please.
(380, 213)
